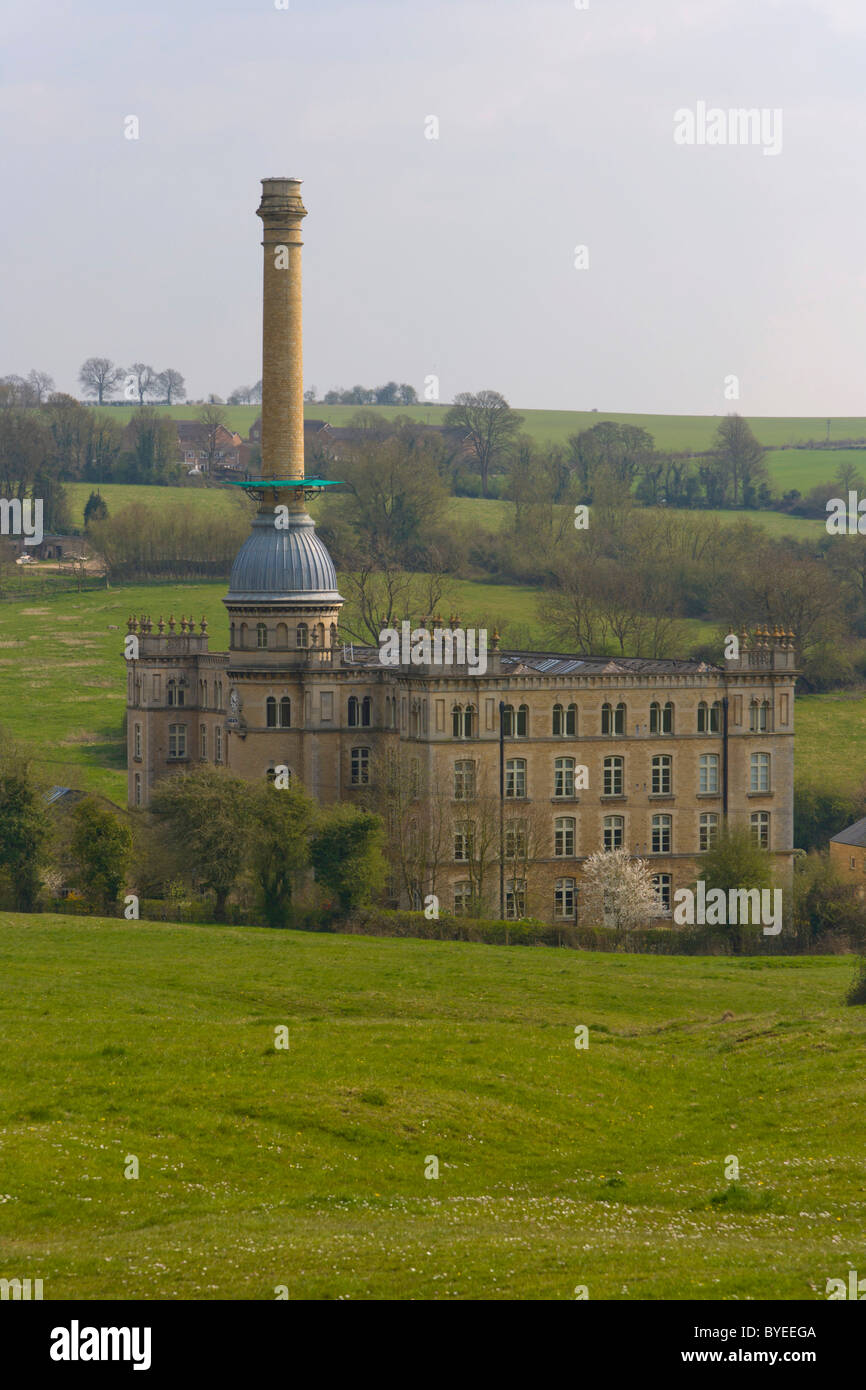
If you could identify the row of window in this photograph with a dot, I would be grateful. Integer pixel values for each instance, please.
(613, 776)
(564, 897)
(565, 835)
(515, 720)
(306, 635)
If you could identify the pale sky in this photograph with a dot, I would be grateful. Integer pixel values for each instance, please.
(454, 256)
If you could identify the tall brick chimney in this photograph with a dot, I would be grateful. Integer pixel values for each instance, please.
(282, 211)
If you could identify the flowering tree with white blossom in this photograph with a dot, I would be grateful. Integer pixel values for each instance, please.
(618, 890)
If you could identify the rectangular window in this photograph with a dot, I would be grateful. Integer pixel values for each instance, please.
(613, 832)
(564, 900)
(137, 741)
(708, 773)
(662, 886)
(177, 740)
(662, 774)
(759, 772)
(138, 789)
(661, 834)
(327, 706)
(783, 709)
(563, 777)
(515, 898)
(218, 744)
(515, 840)
(462, 898)
(464, 780)
(563, 837)
(613, 776)
(760, 827)
(708, 830)
(360, 767)
(515, 777)
(202, 741)
(463, 843)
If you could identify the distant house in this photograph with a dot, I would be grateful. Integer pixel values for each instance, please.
(311, 429)
(53, 547)
(192, 445)
(848, 854)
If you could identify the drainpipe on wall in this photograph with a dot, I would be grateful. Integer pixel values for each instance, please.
(725, 757)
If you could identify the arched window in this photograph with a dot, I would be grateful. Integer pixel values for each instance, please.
(709, 717)
(333, 634)
(303, 635)
(661, 718)
(271, 712)
(366, 711)
(353, 712)
(285, 712)
(243, 636)
(522, 725)
(261, 634)
(457, 721)
(613, 719)
(232, 638)
(469, 721)
(759, 716)
(565, 721)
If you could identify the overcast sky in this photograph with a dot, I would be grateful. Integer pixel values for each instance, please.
(453, 256)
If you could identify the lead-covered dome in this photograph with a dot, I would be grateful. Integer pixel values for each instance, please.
(283, 563)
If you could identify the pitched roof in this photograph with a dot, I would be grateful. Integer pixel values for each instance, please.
(854, 835)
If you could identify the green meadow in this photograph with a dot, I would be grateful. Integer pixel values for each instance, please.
(483, 514)
(63, 692)
(674, 432)
(607, 1167)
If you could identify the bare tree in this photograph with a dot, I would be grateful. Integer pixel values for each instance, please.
(99, 377)
(490, 426)
(41, 384)
(170, 385)
(212, 418)
(145, 379)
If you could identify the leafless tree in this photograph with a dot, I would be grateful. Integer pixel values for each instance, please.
(99, 377)
(145, 379)
(170, 385)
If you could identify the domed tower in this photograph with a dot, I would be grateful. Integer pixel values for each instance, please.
(283, 601)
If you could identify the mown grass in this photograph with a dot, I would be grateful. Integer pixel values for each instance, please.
(558, 1167)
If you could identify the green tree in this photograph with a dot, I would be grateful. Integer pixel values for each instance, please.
(346, 854)
(23, 832)
(735, 861)
(280, 848)
(490, 426)
(101, 846)
(741, 459)
(95, 509)
(207, 813)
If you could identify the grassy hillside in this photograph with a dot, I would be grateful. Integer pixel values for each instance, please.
(676, 432)
(306, 1167)
(486, 515)
(62, 687)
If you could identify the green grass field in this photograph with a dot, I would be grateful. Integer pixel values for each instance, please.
(558, 1167)
(216, 501)
(675, 432)
(62, 688)
(487, 515)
